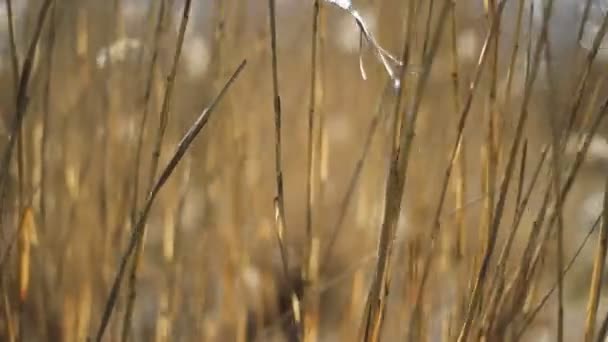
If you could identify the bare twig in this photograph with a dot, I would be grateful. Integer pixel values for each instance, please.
(463, 116)
(581, 28)
(46, 117)
(138, 229)
(567, 185)
(355, 177)
(401, 147)
(136, 167)
(311, 304)
(496, 220)
(13, 46)
(530, 317)
(598, 271)
(22, 100)
(147, 95)
(279, 201)
(167, 98)
(585, 73)
(164, 119)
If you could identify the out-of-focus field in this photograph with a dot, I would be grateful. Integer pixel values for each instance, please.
(480, 233)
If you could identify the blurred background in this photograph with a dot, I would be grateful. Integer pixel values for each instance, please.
(211, 267)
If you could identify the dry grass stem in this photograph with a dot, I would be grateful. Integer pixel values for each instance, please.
(138, 229)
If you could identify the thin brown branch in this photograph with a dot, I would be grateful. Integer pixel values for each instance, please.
(463, 116)
(138, 229)
(376, 302)
(504, 186)
(598, 271)
(22, 100)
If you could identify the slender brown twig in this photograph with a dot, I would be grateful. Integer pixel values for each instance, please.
(147, 94)
(463, 116)
(279, 201)
(376, 302)
(46, 117)
(22, 100)
(337, 228)
(136, 167)
(598, 271)
(164, 120)
(311, 305)
(138, 229)
(504, 186)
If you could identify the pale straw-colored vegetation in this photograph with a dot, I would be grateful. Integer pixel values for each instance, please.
(321, 170)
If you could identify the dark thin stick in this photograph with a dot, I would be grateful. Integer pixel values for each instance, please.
(321, 288)
(15, 71)
(354, 178)
(585, 72)
(311, 120)
(581, 28)
(580, 156)
(530, 318)
(557, 167)
(464, 114)
(147, 95)
(310, 308)
(164, 120)
(13, 46)
(135, 193)
(166, 105)
(46, 117)
(601, 336)
(427, 28)
(20, 161)
(364, 329)
(522, 172)
(376, 301)
(485, 264)
(138, 229)
(460, 184)
(598, 271)
(514, 52)
(496, 301)
(279, 201)
(22, 100)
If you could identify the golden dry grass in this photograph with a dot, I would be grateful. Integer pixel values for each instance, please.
(456, 206)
